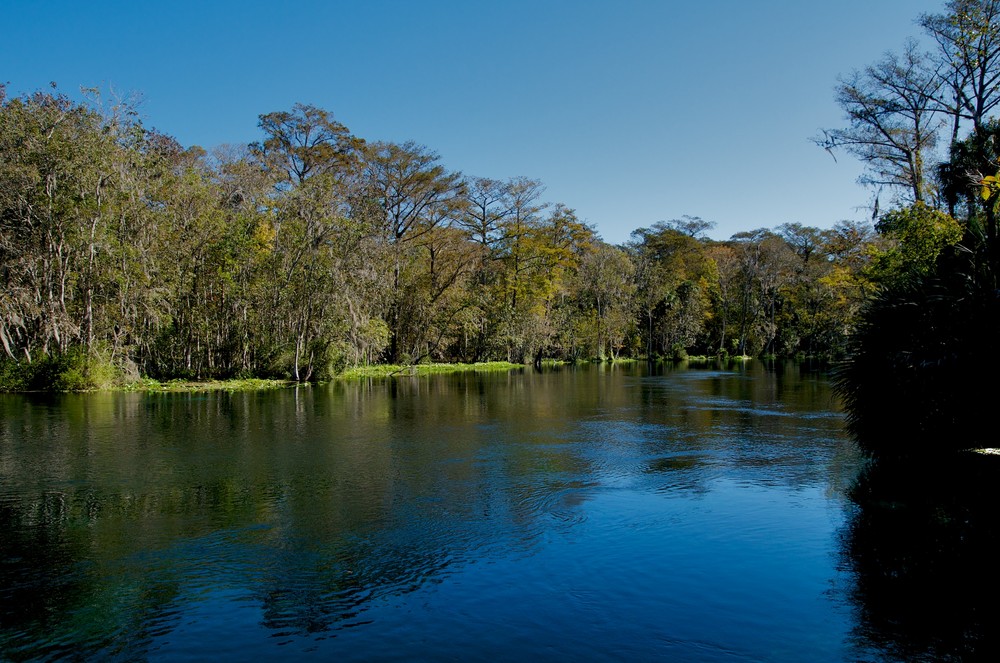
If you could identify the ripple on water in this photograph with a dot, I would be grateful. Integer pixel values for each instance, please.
(560, 515)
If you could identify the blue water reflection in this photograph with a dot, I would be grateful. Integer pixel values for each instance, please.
(588, 514)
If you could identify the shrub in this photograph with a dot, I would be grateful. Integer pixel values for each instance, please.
(73, 370)
(914, 383)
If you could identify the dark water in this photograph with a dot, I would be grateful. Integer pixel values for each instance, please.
(586, 514)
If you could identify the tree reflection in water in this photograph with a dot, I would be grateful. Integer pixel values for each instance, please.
(572, 513)
(923, 545)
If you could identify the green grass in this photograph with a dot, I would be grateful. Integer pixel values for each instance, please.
(394, 370)
(53, 375)
(707, 359)
(248, 384)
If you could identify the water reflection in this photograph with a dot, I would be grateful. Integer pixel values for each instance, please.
(923, 546)
(150, 525)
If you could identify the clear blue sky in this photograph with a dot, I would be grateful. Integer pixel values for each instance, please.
(630, 111)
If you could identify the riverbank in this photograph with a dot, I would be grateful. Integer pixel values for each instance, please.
(70, 382)
(360, 372)
(58, 382)
(397, 370)
(249, 384)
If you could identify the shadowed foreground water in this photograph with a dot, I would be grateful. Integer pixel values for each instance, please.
(590, 514)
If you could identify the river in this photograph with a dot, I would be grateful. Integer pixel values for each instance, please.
(595, 513)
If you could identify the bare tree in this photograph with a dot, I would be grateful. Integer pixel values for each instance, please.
(968, 40)
(488, 208)
(892, 113)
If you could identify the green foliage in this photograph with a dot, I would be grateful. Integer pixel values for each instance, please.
(70, 371)
(675, 280)
(311, 252)
(918, 235)
(14, 376)
(394, 370)
(177, 385)
(80, 372)
(914, 382)
(605, 286)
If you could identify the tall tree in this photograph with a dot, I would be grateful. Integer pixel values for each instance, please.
(484, 219)
(410, 195)
(675, 277)
(489, 206)
(892, 127)
(304, 142)
(968, 40)
(57, 204)
(762, 267)
(606, 286)
(316, 163)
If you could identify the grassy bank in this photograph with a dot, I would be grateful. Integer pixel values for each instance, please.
(75, 372)
(706, 359)
(80, 375)
(248, 384)
(396, 370)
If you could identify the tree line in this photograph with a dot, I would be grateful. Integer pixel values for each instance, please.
(312, 250)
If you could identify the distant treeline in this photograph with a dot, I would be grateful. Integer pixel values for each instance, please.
(313, 250)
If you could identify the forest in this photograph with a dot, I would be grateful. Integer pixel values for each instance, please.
(311, 250)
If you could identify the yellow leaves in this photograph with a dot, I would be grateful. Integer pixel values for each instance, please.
(264, 234)
(990, 185)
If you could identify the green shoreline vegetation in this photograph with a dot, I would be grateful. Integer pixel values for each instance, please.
(398, 370)
(102, 377)
(129, 255)
(98, 378)
(247, 384)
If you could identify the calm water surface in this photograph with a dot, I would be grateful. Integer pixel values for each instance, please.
(588, 514)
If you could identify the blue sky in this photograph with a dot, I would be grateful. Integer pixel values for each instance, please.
(630, 111)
